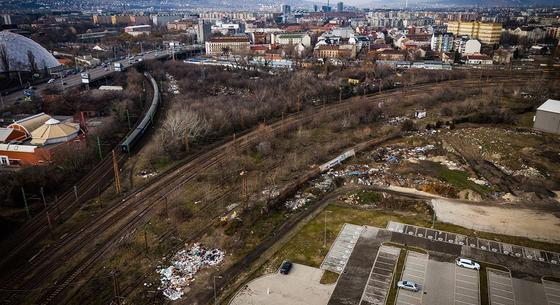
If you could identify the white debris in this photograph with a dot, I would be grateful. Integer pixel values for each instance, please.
(479, 181)
(172, 86)
(299, 200)
(184, 266)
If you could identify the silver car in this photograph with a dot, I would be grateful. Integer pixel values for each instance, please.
(408, 285)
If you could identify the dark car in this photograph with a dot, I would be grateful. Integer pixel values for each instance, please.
(286, 267)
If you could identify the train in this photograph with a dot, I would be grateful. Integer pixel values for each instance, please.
(134, 136)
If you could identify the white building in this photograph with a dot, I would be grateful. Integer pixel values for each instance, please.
(467, 46)
(547, 117)
(136, 30)
(163, 19)
(292, 39)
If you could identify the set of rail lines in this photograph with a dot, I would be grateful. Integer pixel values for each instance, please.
(81, 249)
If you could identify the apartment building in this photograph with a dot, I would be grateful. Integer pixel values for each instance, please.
(227, 44)
(485, 32)
(442, 42)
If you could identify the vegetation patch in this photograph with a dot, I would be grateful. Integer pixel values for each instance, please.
(329, 277)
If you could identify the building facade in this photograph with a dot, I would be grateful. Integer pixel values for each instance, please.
(227, 44)
(486, 32)
(442, 42)
(293, 39)
(137, 30)
(204, 31)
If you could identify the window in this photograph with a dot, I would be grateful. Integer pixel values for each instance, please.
(4, 160)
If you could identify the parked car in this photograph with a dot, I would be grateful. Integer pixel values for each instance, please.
(408, 285)
(467, 263)
(51, 81)
(286, 267)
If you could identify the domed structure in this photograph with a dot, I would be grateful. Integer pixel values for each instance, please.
(17, 46)
(54, 131)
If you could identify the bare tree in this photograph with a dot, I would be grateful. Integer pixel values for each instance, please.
(181, 126)
(4, 59)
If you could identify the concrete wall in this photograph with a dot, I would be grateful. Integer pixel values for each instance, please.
(547, 121)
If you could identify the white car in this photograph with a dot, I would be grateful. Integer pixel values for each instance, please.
(467, 263)
(51, 81)
(408, 285)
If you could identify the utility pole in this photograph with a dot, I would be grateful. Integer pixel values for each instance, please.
(20, 82)
(146, 240)
(25, 203)
(2, 100)
(46, 211)
(43, 196)
(99, 149)
(215, 295)
(325, 235)
(116, 287)
(325, 240)
(116, 170)
(76, 192)
(128, 120)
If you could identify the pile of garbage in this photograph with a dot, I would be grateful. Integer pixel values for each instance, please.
(299, 200)
(184, 266)
(172, 86)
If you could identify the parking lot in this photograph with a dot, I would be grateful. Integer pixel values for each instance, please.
(342, 247)
(441, 281)
(552, 292)
(500, 287)
(381, 276)
(466, 287)
(299, 287)
(479, 243)
(414, 270)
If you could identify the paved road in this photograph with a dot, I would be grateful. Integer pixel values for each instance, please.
(96, 73)
(466, 287)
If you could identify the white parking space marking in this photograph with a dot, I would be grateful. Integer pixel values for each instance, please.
(381, 276)
(340, 251)
(552, 292)
(414, 270)
(500, 287)
(466, 286)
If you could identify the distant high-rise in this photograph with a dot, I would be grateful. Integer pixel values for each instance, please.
(325, 8)
(204, 31)
(340, 6)
(315, 8)
(286, 9)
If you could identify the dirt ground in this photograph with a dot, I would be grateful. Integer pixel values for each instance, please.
(544, 226)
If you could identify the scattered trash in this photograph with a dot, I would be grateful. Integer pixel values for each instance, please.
(172, 86)
(147, 174)
(184, 266)
(299, 200)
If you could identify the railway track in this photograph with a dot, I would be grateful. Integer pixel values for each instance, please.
(123, 217)
(67, 205)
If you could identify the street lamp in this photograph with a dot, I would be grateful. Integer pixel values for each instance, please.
(215, 297)
(325, 240)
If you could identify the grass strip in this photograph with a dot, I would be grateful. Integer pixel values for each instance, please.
(392, 296)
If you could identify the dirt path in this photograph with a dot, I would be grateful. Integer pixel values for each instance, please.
(523, 222)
